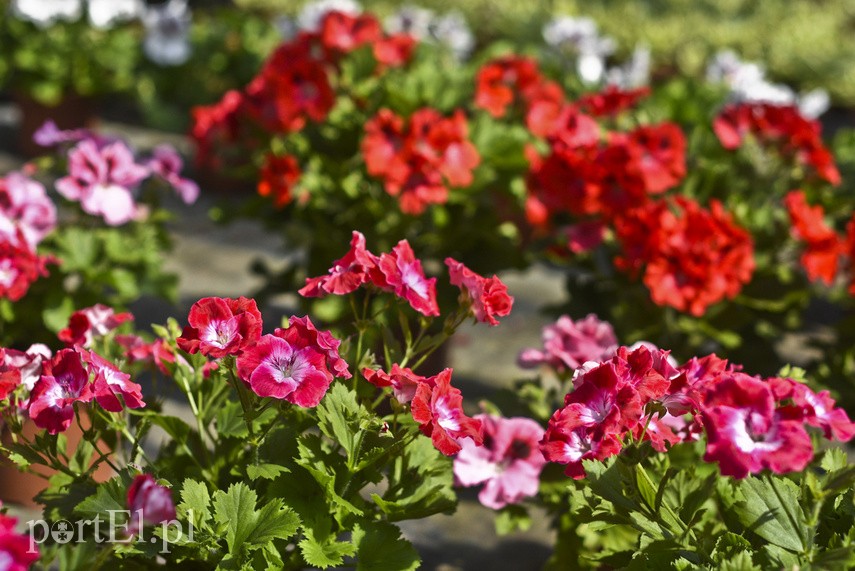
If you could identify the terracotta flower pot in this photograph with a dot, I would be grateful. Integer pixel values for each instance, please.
(72, 112)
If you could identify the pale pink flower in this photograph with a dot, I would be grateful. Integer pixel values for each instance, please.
(568, 344)
(25, 206)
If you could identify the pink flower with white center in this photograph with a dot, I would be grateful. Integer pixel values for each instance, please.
(346, 274)
(149, 503)
(403, 381)
(817, 409)
(20, 267)
(22, 368)
(273, 367)
(569, 439)
(400, 272)
(15, 551)
(221, 326)
(301, 332)
(568, 344)
(102, 179)
(488, 296)
(745, 433)
(110, 382)
(604, 397)
(509, 463)
(167, 164)
(90, 322)
(25, 207)
(438, 409)
(64, 382)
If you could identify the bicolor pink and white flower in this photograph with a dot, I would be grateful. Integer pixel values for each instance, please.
(567, 344)
(149, 503)
(65, 381)
(401, 273)
(16, 553)
(167, 164)
(90, 322)
(22, 368)
(439, 411)
(221, 326)
(102, 179)
(301, 332)
(508, 464)
(403, 381)
(347, 273)
(110, 383)
(488, 297)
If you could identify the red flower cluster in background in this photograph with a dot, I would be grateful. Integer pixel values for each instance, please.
(419, 161)
(510, 80)
(780, 126)
(691, 257)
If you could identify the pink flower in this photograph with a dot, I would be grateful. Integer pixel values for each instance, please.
(63, 383)
(568, 344)
(149, 503)
(745, 432)
(221, 326)
(49, 135)
(400, 272)
(570, 438)
(110, 382)
(303, 333)
(20, 267)
(22, 367)
(167, 164)
(15, 553)
(25, 206)
(346, 274)
(817, 409)
(488, 296)
(439, 411)
(89, 322)
(274, 367)
(101, 179)
(509, 463)
(403, 381)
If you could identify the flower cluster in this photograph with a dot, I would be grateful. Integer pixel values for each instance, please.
(419, 160)
(782, 127)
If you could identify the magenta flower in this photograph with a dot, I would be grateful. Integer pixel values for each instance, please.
(508, 464)
(110, 382)
(149, 503)
(15, 552)
(49, 135)
(570, 438)
(301, 332)
(102, 179)
(167, 164)
(403, 381)
(401, 273)
(221, 326)
(346, 274)
(438, 408)
(488, 296)
(25, 207)
(64, 382)
(274, 367)
(816, 409)
(568, 344)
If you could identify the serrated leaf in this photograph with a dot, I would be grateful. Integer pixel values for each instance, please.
(274, 521)
(230, 421)
(766, 514)
(196, 500)
(265, 471)
(326, 553)
(380, 547)
(235, 510)
(111, 496)
(341, 417)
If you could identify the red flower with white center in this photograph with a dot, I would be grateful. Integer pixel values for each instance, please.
(569, 439)
(604, 397)
(149, 503)
(63, 383)
(28, 364)
(278, 176)
(110, 382)
(817, 409)
(646, 368)
(439, 411)
(509, 463)
(15, 551)
(157, 352)
(400, 272)
(85, 324)
(19, 268)
(501, 80)
(488, 296)
(612, 100)
(661, 155)
(301, 332)
(745, 433)
(346, 273)
(403, 381)
(824, 246)
(567, 344)
(221, 326)
(274, 367)
(686, 389)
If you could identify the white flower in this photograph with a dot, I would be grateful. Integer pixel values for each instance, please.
(105, 13)
(451, 30)
(634, 73)
(412, 20)
(287, 27)
(579, 35)
(312, 14)
(167, 40)
(43, 13)
(814, 103)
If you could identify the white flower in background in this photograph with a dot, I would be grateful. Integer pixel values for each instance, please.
(287, 27)
(105, 13)
(580, 37)
(451, 30)
(167, 26)
(312, 14)
(43, 13)
(747, 82)
(634, 73)
(412, 20)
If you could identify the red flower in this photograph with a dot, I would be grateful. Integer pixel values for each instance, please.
(63, 383)
(221, 326)
(86, 323)
(403, 381)
(612, 100)
(816, 409)
(278, 175)
(110, 382)
(569, 439)
(824, 246)
(19, 268)
(693, 258)
(15, 549)
(662, 155)
(394, 50)
(347, 273)
(401, 273)
(501, 80)
(488, 296)
(149, 503)
(343, 33)
(439, 411)
(216, 126)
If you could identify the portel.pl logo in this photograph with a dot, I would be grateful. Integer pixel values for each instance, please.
(119, 527)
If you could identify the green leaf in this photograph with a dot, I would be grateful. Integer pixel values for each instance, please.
(341, 417)
(380, 547)
(274, 521)
(235, 510)
(326, 552)
(230, 421)
(645, 487)
(773, 513)
(110, 496)
(266, 471)
(512, 518)
(195, 500)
